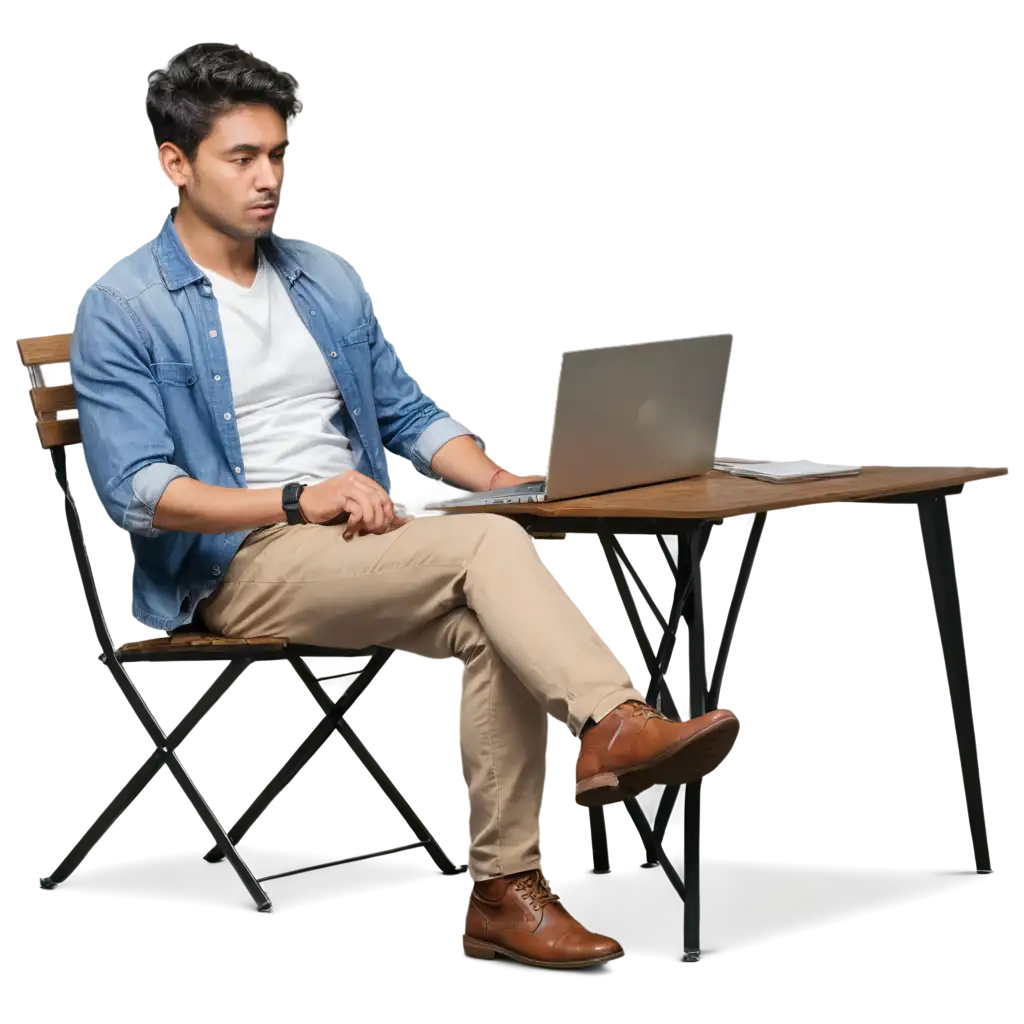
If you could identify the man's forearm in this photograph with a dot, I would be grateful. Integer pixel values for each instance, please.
(195, 507)
(461, 462)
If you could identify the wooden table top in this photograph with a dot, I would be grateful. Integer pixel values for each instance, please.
(716, 495)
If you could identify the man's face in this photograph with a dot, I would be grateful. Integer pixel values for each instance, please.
(238, 167)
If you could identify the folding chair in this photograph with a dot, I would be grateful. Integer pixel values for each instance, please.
(229, 722)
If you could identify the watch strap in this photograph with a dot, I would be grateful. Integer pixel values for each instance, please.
(290, 502)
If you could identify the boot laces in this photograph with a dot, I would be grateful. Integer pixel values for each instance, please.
(640, 708)
(535, 887)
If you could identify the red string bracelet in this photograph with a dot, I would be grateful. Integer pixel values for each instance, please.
(490, 486)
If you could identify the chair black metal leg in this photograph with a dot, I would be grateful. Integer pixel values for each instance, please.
(136, 784)
(165, 745)
(419, 834)
(391, 792)
(260, 898)
(164, 754)
(653, 846)
(309, 746)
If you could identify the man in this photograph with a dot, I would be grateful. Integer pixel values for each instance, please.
(236, 394)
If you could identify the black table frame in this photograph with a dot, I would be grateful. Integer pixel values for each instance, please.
(687, 604)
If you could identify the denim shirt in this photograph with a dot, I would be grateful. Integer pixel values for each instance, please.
(153, 392)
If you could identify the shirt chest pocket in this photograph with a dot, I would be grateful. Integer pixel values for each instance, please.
(182, 375)
(359, 336)
(354, 352)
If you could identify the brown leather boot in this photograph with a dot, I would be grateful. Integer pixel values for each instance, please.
(634, 746)
(518, 916)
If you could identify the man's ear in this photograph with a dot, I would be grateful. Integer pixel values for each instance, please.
(175, 164)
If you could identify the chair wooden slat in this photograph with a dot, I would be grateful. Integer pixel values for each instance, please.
(50, 400)
(196, 639)
(55, 348)
(57, 432)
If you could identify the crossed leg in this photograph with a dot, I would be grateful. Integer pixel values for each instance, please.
(471, 587)
(476, 589)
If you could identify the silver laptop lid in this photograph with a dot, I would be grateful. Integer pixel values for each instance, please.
(630, 415)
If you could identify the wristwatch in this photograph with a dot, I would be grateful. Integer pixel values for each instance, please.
(290, 503)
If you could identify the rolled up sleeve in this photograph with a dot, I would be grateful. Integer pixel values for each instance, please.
(128, 447)
(438, 434)
(147, 489)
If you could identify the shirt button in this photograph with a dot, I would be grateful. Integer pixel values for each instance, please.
(216, 570)
(213, 334)
(312, 312)
(238, 469)
(334, 355)
(355, 412)
(227, 415)
(216, 376)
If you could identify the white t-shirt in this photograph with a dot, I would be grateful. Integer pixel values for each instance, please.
(287, 403)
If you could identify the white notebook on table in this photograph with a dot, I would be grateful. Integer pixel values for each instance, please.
(783, 472)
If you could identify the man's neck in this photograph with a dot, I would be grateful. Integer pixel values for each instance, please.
(233, 258)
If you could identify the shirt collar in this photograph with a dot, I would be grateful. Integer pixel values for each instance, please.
(178, 269)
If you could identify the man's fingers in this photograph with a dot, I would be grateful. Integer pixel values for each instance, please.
(381, 497)
(369, 483)
(358, 498)
(355, 517)
(365, 490)
(371, 513)
(383, 510)
(360, 526)
(376, 509)
(375, 513)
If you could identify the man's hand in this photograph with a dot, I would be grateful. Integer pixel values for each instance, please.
(353, 498)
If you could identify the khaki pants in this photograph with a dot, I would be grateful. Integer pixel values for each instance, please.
(470, 586)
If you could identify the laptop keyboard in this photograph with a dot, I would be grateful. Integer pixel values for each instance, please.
(499, 496)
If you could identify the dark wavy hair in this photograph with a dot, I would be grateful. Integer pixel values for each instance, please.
(209, 79)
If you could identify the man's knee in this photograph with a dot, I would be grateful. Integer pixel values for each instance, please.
(491, 539)
(503, 529)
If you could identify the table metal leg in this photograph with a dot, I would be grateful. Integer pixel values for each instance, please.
(702, 700)
(686, 604)
(939, 554)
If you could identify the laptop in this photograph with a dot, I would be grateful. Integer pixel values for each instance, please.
(626, 416)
